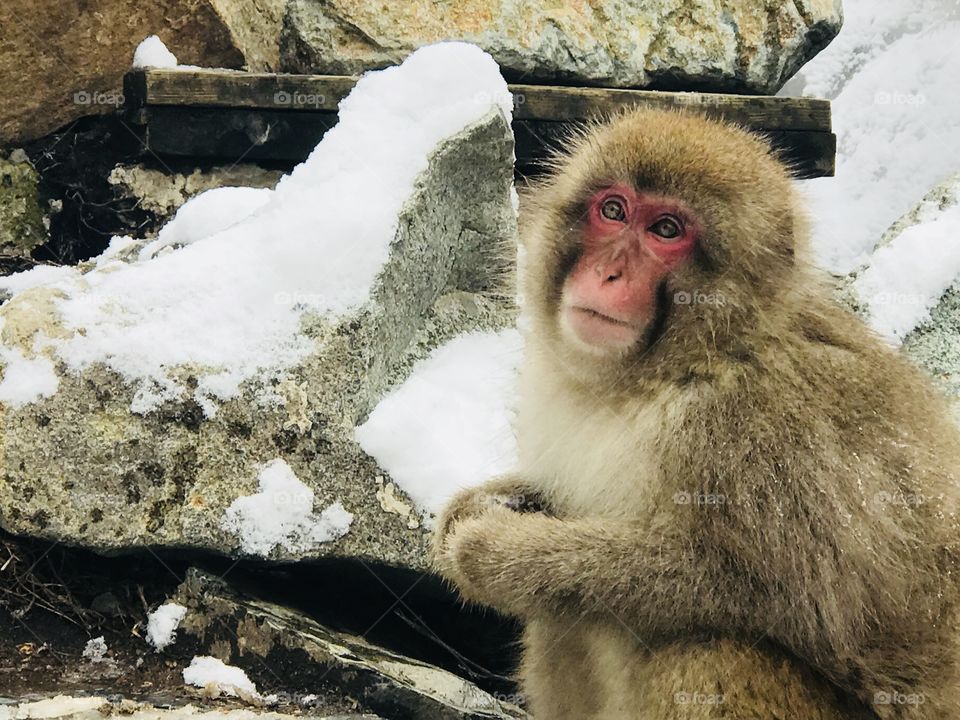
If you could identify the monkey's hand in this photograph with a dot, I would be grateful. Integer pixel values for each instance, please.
(508, 492)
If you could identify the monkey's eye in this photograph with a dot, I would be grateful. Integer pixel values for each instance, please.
(614, 209)
(667, 228)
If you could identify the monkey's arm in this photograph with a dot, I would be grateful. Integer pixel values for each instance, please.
(533, 563)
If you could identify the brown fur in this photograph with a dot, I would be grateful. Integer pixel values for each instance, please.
(761, 502)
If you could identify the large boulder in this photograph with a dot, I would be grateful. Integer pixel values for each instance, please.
(909, 290)
(93, 453)
(753, 46)
(62, 60)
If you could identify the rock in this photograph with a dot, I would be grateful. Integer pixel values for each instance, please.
(62, 60)
(249, 632)
(935, 343)
(81, 468)
(162, 192)
(93, 707)
(751, 46)
(21, 220)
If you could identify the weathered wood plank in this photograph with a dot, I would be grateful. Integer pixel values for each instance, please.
(809, 154)
(534, 102)
(232, 134)
(233, 89)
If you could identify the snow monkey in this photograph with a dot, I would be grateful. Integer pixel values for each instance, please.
(749, 501)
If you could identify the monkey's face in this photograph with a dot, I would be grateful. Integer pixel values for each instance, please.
(653, 240)
(631, 242)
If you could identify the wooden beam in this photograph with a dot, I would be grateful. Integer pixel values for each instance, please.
(266, 91)
(232, 115)
(234, 134)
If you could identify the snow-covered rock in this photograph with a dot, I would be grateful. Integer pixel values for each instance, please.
(891, 75)
(77, 68)
(909, 288)
(748, 45)
(145, 391)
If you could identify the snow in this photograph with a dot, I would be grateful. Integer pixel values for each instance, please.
(244, 266)
(206, 672)
(207, 214)
(37, 276)
(891, 74)
(448, 426)
(26, 380)
(95, 650)
(60, 706)
(906, 278)
(162, 624)
(153, 53)
(281, 514)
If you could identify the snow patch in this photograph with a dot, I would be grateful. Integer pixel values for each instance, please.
(95, 650)
(449, 426)
(162, 624)
(282, 514)
(151, 52)
(25, 380)
(907, 277)
(212, 674)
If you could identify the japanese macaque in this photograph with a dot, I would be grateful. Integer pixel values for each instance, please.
(749, 502)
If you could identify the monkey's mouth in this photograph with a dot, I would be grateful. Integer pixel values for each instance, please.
(598, 329)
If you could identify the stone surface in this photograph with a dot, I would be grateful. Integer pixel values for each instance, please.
(21, 220)
(935, 344)
(751, 46)
(79, 467)
(240, 630)
(94, 707)
(162, 193)
(63, 59)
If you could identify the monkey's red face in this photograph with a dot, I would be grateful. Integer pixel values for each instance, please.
(631, 242)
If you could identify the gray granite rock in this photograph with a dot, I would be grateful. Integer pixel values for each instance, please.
(752, 46)
(80, 468)
(934, 344)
